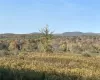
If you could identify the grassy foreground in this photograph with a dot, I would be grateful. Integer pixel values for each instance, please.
(42, 66)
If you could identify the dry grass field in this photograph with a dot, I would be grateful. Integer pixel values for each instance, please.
(56, 66)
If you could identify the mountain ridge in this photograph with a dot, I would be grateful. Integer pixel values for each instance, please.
(75, 33)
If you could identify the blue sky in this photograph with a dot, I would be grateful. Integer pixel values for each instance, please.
(26, 16)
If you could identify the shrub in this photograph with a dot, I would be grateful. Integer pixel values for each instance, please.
(4, 53)
(86, 55)
(3, 46)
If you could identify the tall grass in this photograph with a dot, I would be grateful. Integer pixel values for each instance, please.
(41, 66)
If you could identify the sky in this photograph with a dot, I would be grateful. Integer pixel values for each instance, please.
(27, 16)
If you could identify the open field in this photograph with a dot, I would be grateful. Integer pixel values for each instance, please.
(56, 66)
(50, 57)
(49, 39)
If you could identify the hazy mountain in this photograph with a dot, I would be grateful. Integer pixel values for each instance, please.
(79, 34)
(5, 35)
(35, 33)
(72, 33)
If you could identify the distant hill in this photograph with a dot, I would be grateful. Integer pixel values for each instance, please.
(34, 33)
(72, 33)
(10, 35)
(5, 35)
(78, 34)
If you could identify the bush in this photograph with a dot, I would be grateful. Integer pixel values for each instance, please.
(86, 55)
(3, 46)
(4, 53)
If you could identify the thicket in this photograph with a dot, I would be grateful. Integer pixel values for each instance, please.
(49, 43)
